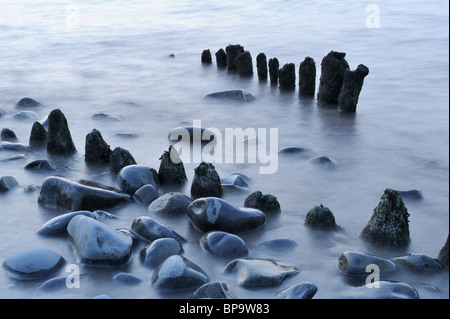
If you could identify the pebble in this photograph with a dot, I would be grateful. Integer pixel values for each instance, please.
(170, 204)
(151, 229)
(223, 244)
(159, 250)
(304, 290)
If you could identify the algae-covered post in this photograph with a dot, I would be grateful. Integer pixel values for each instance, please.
(206, 182)
(261, 66)
(233, 51)
(221, 58)
(286, 77)
(244, 64)
(171, 169)
(206, 56)
(351, 88)
(333, 69)
(307, 77)
(274, 66)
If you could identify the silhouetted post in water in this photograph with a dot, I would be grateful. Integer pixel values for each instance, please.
(206, 56)
(244, 64)
(221, 58)
(261, 66)
(286, 77)
(274, 66)
(307, 77)
(331, 78)
(233, 51)
(351, 87)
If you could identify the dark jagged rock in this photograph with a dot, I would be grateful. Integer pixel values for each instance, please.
(286, 77)
(333, 69)
(171, 169)
(8, 136)
(389, 224)
(170, 204)
(304, 290)
(97, 151)
(8, 183)
(261, 66)
(26, 103)
(307, 77)
(221, 58)
(233, 51)
(59, 140)
(206, 56)
(151, 229)
(274, 66)
(132, 177)
(244, 64)
(223, 244)
(320, 217)
(443, 255)
(206, 182)
(120, 158)
(214, 290)
(268, 204)
(38, 136)
(159, 250)
(351, 88)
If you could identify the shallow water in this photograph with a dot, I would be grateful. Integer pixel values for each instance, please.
(113, 57)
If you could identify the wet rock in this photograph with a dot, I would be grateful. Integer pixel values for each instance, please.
(333, 69)
(233, 51)
(16, 157)
(97, 151)
(38, 137)
(58, 225)
(25, 116)
(418, 263)
(232, 95)
(320, 217)
(351, 88)
(194, 135)
(126, 135)
(212, 213)
(443, 255)
(59, 192)
(304, 290)
(170, 204)
(293, 150)
(179, 274)
(33, 263)
(410, 194)
(146, 194)
(234, 182)
(171, 169)
(324, 161)
(221, 58)
(385, 290)
(159, 250)
(16, 147)
(353, 263)
(274, 66)
(268, 203)
(389, 224)
(54, 284)
(8, 136)
(8, 183)
(244, 64)
(223, 244)
(98, 244)
(27, 103)
(133, 177)
(261, 66)
(214, 290)
(206, 182)
(127, 279)
(286, 77)
(120, 158)
(307, 77)
(40, 165)
(104, 117)
(151, 229)
(59, 140)
(206, 56)
(258, 273)
(279, 244)
(102, 215)
(32, 189)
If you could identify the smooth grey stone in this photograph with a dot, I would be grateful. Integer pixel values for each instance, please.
(126, 135)
(33, 263)
(104, 117)
(8, 183)
(159, 250)
(418, 263)
(304, 290)
(58, 192)
(234, 182)
(16, 157)
(214, 290)
(56, 284)
(59, 139)
(279, 244)
(101, 215)
(16, 147)
(32, 189)
(133, 177)
(27, 102)
(127, 279)
(259, 273)
(151, 229)
(324, 161)
(170, 204)
(232, 95)
(58, 225)
(212, 213)
(177, 273)
(98, 244)
(102, 297)
(40, 165)
(146, 194)
(194, 134)
(223, 244)
(353, 263)
(293, 150)
(386, 290)
(25, 116)
(411, 194)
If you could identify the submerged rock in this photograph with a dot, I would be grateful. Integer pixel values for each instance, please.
(159, 250)
(351, 88)
(27, 103)
(120, 158)
(212, 213)
(171, 169)
(206, 182)
(25, 116)
(274, 67)
(206, 56)
(98, 244)
(38, 137)
(234, 182)
(179, 274)
(127, 279)
(33, 263)
(443, 255)
(170, 204)
(333, 69)
(193, 134)
(133, 177)
(58, 225)
(383, 290)
(244, 64)
(151, 229)
(17, 147)
(286, 77)
(40, 165)
(307, 77)
(59, 140)
(320, 217)
(223, 244)
(304, 290)
(146, 194)
(268, 203)
(104, 117)
(261, 66)
(324, 161)
(258, 273)
(410, 194)
(353, 263)
(8, 183)
(389, 224)
(97, 151)
(233, 95)
(214, 290)
(293, 150)
(8, 136)
(221, 58)
(59, 192)
(418, 263)
(233, 51)
(279, 244)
